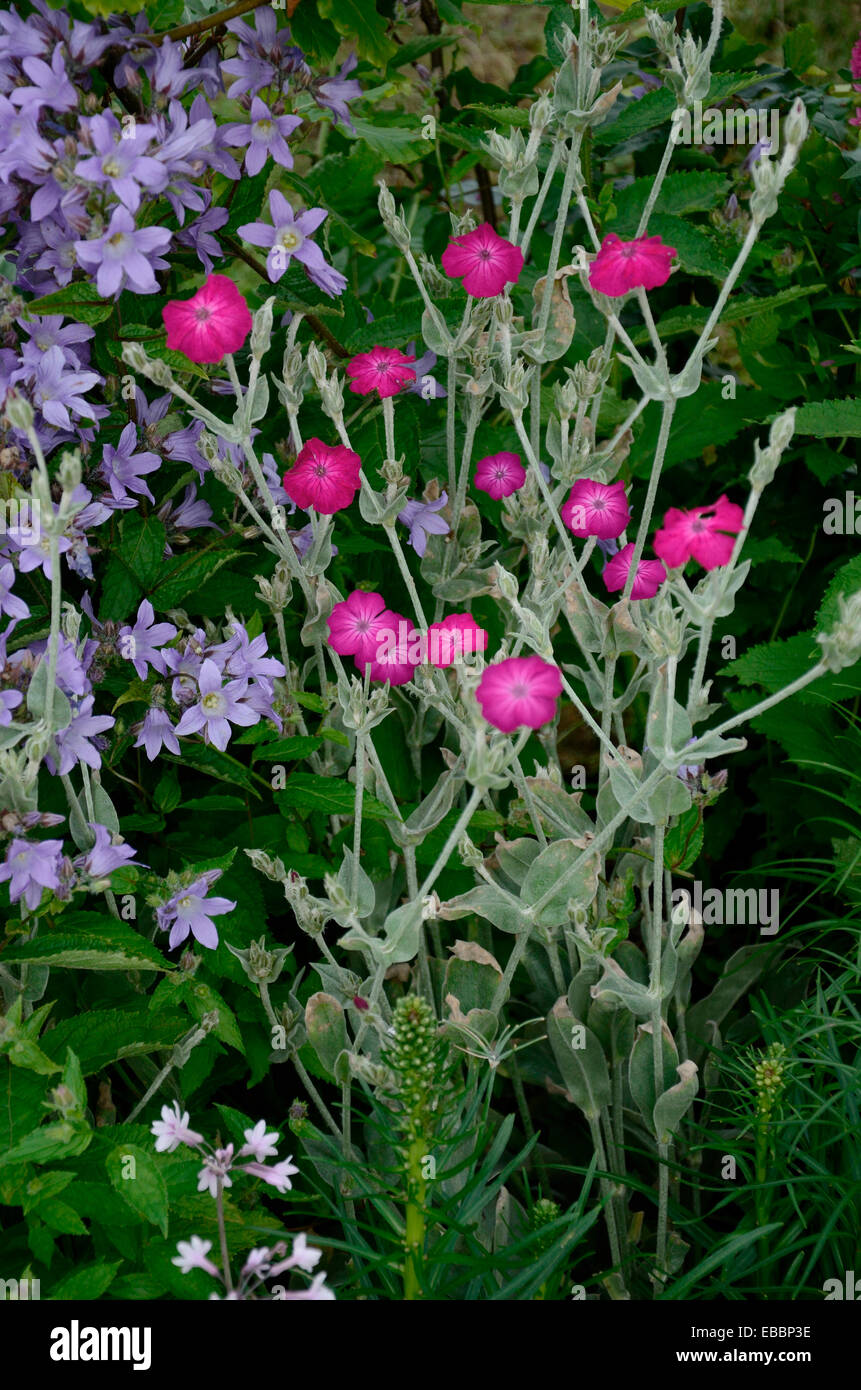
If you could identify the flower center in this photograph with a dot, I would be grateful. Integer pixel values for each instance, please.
(111, 167)
(484, 254)
(320, 470)
(363, 625)
(698, 526)
(212, 701)
(263, 127)
(289, 239)
(185, 904)
(520, 691)
(202, 314)
(118, 240)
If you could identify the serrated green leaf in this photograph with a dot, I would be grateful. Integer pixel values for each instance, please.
(80, 301)
(359, 21)
(89, 941)
(93, 1280)
(825, 419)
(134, 1173)
(288, 749)
(306, 791)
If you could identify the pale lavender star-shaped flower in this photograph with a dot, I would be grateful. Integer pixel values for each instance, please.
(189, 910)
(289, 237)
(334, 92)
(422, 521)
(30, 867)
(425, 385)
(198, 236)
(156, 732)
(10, 604)
(121, 161)
(125, 257)
(9, 700)
(73, 742)
(218, 707)
(105, 855)
(265, 136)
(123, 470)
(58, 392)
(139, 644)
(244, 656)
(50, 86)
(173, 1129)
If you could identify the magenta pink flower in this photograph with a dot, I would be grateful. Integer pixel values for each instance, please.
(519, 692)
(855, 60)
(323, 477)
(399, 652)
(704, 534)
(382, 369)
(484, 261)
(620, 266)
(357, 624)
(456, 636)
(213, 322)
(596, 509)
(650, 574)
(499, 475)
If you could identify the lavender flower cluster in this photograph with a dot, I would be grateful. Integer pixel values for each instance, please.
(112, 159)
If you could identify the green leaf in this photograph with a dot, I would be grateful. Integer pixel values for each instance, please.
(217, 764)
(202, 999)
(121, 592)
(824, 419)
(417, 48)
(776, 664)
(141, 547)
(100, 1037)
(182, 577)
(552, 867)
(89, 941)
(580, 1059)
(801, 48)
(358, 21)
(684, 841)
(80, 301)
(90, 1281)
(135, 1174)
(680, 193)
(309, 792)
(397, 144)
(288, 749)
(327, 1030)
(691, 318)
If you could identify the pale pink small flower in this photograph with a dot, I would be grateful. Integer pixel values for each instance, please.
(302, 1256)
(499, 475)
(650, 574)
(258, 1143)
(317, 1292)
(596, 509)
(213, 322)
(704, 534)
(192, 1255)
(484, 261)
(456, 636)
(356, 624)
(383, 370)
(216, 1168)
(519, 692)
(324, 477)
(278, 1175)
(172, 1130)
(620, 266)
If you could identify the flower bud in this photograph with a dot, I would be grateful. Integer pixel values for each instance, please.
(261, 329)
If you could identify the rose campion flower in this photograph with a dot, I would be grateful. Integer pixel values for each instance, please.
(383, 370)
(620, 266)
(650, 574)
(484, 261)
(704, 534)
(456, 636)
(499, 475)
(213, 322)
(519, 692)
(323, 477)
(357, 624)
(399, 653)
(596, 509)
